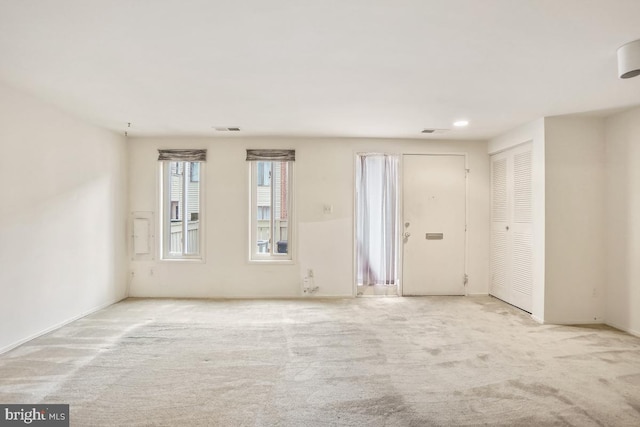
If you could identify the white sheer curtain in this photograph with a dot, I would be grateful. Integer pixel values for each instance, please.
(377, 219)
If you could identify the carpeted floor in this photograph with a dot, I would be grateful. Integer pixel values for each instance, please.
(354, 362)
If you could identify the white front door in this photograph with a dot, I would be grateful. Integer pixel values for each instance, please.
(434, 221)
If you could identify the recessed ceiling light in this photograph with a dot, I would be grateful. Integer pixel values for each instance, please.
(461, 123)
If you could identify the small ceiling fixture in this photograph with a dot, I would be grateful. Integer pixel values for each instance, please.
(461, 123)
(227, 129)
(433, 130)
(629, 60)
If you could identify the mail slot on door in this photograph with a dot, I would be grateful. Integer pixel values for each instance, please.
(435, 236)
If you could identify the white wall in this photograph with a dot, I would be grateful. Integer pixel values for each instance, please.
(574, 220)
(535, 133)
(324, 174)
(62, 217)
(623, 220)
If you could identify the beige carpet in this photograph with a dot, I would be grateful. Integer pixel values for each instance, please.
(356, 362)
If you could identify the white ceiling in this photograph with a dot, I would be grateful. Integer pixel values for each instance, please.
(370, 68)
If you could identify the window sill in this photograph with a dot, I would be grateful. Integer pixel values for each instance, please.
(271, 261)
(186, 260)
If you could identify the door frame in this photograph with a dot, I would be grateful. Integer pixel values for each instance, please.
(356, 154)
(401, 174)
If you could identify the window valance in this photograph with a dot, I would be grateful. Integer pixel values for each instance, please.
(278, 155)
(183, 155)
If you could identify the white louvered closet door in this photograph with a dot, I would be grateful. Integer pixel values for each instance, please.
(511, 231)
(499, 224)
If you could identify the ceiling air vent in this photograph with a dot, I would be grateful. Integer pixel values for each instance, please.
(432, 130)
(229, 129)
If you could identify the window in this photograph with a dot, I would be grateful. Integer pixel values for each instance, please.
(271, 204)
(264, 212)
(175, 210)
(181, 226)
(376, 221)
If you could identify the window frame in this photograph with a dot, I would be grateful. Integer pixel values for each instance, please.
(165, 172)
(275, 258)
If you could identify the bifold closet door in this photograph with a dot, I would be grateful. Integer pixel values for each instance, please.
(511, 231)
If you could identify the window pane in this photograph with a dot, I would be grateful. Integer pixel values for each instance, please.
(193, 209)
(280, 207)
(181, 226)
(264, 173)
(263, 208)
(176, 181)
(195, 171)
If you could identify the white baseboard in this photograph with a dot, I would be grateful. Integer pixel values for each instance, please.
(587, 322)
(624, 329)
(245, 297)
(568, 322)
(478, 295)
(57, 326)
(537, 319)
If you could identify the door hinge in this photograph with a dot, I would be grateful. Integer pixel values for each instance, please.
(465, 279)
